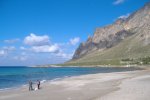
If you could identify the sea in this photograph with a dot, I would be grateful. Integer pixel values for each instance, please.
(17, 76)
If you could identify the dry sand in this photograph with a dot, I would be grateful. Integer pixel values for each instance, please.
(132, 85)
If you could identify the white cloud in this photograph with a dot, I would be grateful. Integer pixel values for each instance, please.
(24, 53)
(74, 41)
(23, 48)
(46, 48)
(37, 47)
(20, 58)
(39, 44)
(64, 55)
(11, 41)
(124, 16)
(34, 40)
(9, 48)
(117, 2)
(2, 52)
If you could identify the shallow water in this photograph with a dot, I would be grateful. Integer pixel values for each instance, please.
(17, 76)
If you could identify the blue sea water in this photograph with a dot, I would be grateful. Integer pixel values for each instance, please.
(11, 77)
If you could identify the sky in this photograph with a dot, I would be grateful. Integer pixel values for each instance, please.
(36, 32)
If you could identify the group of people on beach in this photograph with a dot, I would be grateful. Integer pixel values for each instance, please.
(38, 83)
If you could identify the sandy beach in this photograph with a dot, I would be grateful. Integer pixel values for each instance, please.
(131, 85)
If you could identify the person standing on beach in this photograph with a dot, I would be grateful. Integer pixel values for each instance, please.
(30, 85)
(38, 84)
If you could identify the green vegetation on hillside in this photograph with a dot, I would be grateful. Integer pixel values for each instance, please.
(131, 50)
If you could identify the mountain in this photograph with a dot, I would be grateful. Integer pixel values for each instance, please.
(125, 41)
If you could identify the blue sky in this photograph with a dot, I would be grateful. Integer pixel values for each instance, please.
(48, 31)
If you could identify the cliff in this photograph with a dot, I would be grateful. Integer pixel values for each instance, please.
(132, 32)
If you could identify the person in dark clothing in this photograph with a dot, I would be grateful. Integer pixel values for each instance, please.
(30, 85)
(38, 84)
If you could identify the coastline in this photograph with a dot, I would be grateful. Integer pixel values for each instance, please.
(107, 66)
(76, 71)
(101, 86)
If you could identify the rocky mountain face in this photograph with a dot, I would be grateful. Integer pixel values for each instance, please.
(109, 36)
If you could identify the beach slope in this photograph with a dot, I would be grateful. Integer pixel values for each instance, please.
(131, 85)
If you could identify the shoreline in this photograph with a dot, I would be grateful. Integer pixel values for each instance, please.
(61, 78)
(100, 86)
(88, 66)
